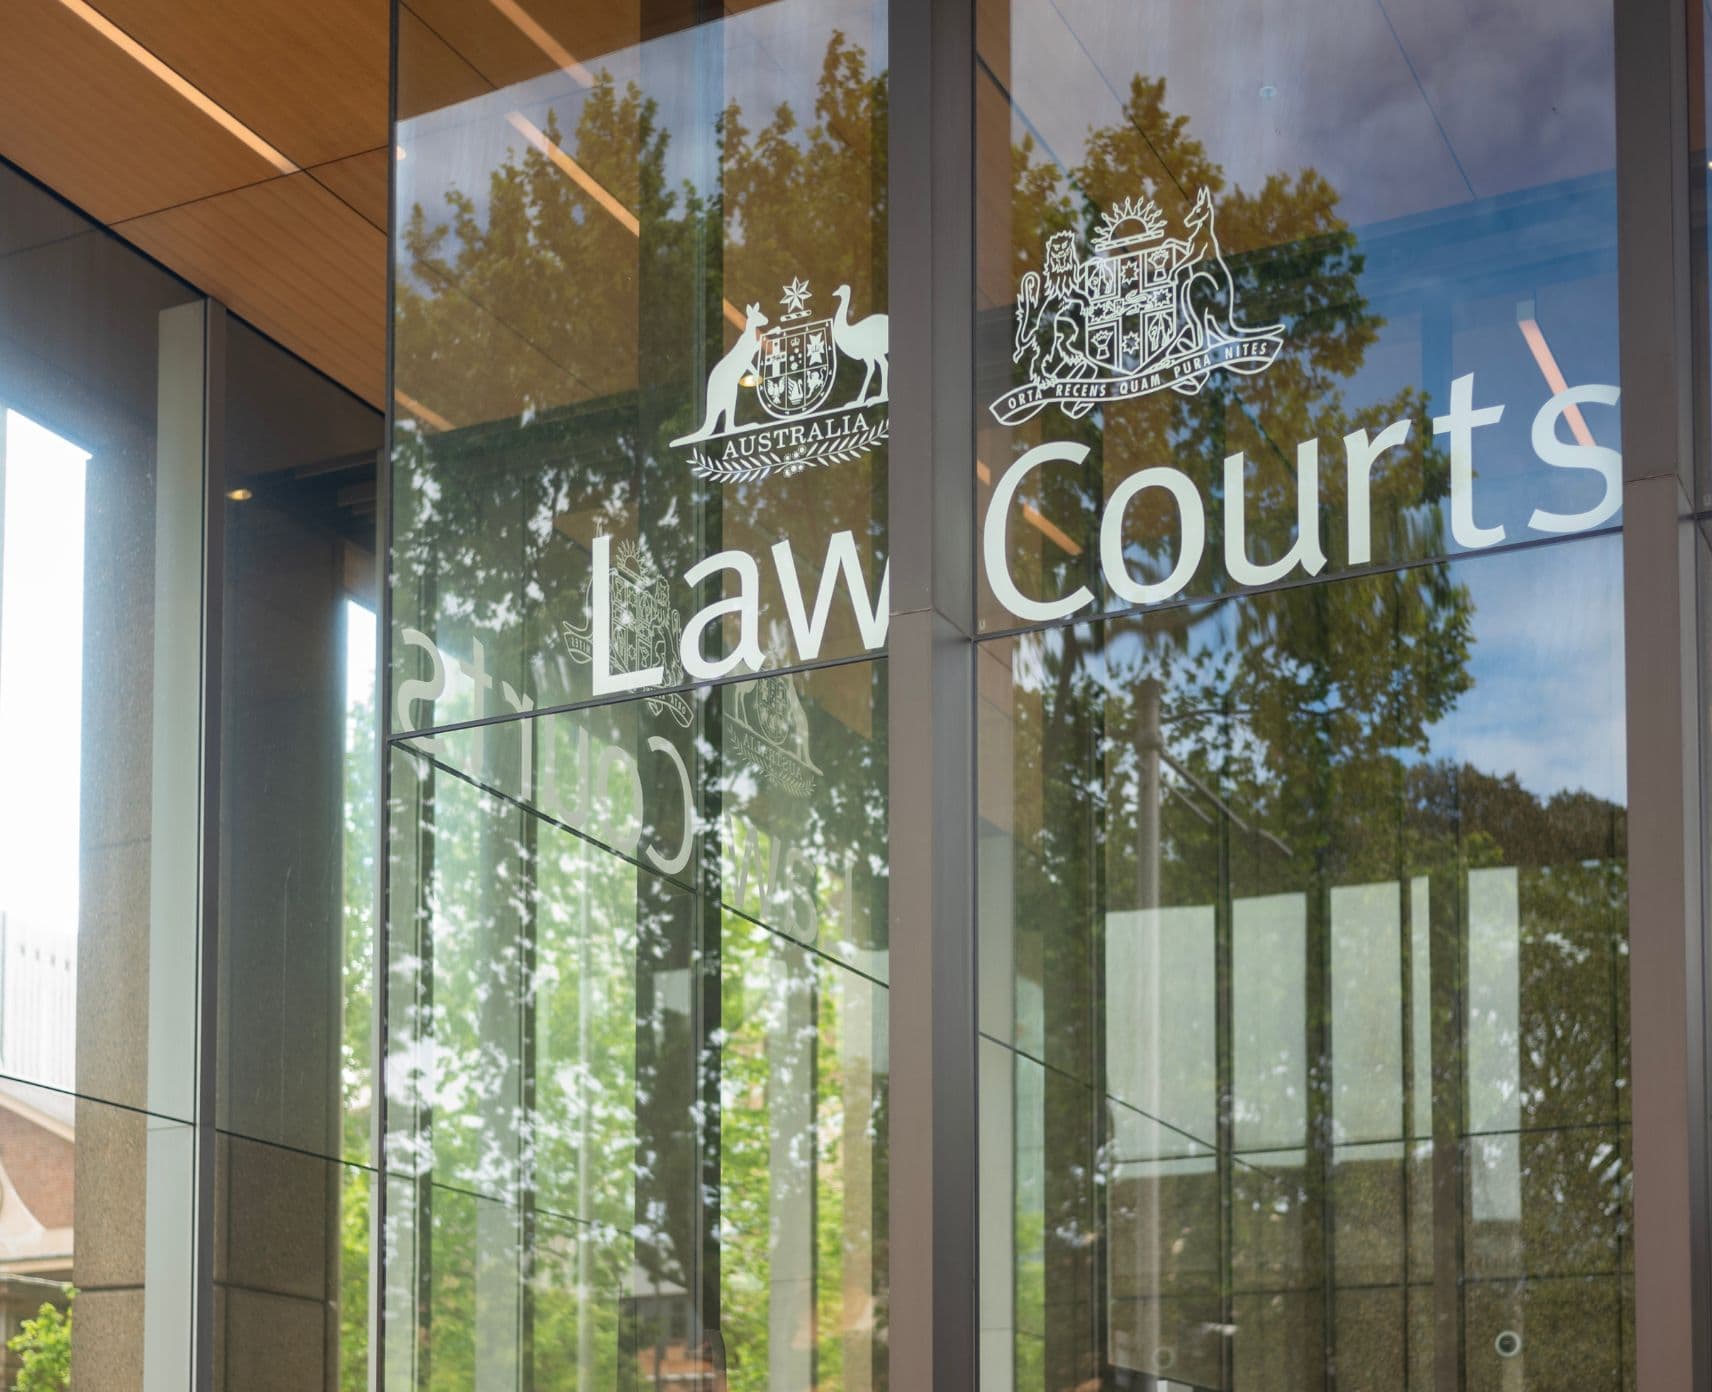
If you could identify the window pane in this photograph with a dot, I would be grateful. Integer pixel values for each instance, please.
(1314, 1045)
(101, 482)
(97, 1247)
(637, 1032)
(1287, 338)
(298, 762)
(103, 759)
(640, 298)
(637, 827)
(1267, 295)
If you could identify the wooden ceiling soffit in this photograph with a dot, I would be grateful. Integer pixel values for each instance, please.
(361, 181)
(490, 37)
(309, 75)
(94, 125)
(293, 259)
(431, 75)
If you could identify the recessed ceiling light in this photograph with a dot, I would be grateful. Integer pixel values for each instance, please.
(183, 86)
(239, 495)
(562, 57)
(1546, 361)
(593, 188)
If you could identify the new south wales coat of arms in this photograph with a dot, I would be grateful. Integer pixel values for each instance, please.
(1143, 314)
(773, 402)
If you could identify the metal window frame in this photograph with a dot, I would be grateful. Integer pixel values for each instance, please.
(207, 989)
(381, 1006)
(932, 1138)
(1666, 820)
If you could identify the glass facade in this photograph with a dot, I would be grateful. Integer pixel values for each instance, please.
(1158, 846)
(637, 925)
(1302, 927)
(1306, 1042)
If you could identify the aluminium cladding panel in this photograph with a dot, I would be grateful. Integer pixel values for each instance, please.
(931, 673)
(1673, 1340)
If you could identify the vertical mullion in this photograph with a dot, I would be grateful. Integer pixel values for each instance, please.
(208, 939)
(1667, 1031)
(380, 1008)
(380, 982)
(1224, 1062)
(380, 1004)
(930, 675)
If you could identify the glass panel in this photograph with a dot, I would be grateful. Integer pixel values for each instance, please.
(103, 384)
(637, 822)
(298, 761)
(101, 482)
(615, 941)
(640, 351)
(1267, 295)
(1303, 921)
(291, 1269)
(96, 1243)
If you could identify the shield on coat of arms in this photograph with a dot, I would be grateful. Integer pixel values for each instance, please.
(1116, 311)
(797, 365)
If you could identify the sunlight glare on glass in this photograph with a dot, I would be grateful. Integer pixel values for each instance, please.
(41, 677)
(359, 655)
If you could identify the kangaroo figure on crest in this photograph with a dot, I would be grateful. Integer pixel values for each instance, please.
(1206, 308)
(727, 376)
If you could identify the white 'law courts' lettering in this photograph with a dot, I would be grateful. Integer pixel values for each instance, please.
(617, 816)
(1362, 454)
(843, 565)
(843, 568)
(808, 631)
(1306, 553)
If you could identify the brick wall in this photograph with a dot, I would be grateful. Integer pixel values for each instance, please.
(40, 1164)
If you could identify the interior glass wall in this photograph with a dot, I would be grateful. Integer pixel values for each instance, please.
(295, 1161)
(1302, 911)
(637, 958)
(100, 612)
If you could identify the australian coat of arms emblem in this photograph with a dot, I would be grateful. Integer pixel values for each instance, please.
(1146, 312)
(781, 401)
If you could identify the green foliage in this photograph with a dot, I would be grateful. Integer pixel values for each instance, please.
(44, 1346)
(356, 1041)
(568, 349)
(354, 1281)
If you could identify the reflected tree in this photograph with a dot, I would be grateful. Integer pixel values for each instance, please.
(1212, 754)
(551, 1010)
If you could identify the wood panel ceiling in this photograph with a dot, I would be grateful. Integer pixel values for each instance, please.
(291, 235)
(300, 254)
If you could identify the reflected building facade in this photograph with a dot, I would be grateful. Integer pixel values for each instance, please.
(1302, 920)
(1010, 698)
